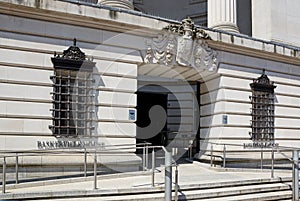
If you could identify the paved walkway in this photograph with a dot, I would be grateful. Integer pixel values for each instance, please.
(195, 173)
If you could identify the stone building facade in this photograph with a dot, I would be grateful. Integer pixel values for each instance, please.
(199, 77)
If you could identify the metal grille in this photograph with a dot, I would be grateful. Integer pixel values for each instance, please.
(73, 94)
(262, 101)
(73, 103)
(262, 118)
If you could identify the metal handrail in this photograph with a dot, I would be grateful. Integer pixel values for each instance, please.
(287, 157)
(294, 160)
(278, 148)
(215, 143)
(37, 150)
(144, 146)
(281, 148)
(11, 153)
(86, 152)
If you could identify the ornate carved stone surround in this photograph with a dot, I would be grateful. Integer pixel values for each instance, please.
(182, 44)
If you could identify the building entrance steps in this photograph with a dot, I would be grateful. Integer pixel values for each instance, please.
(196, 182)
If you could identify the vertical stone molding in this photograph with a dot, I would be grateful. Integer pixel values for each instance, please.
(222, 15)
(123, 4)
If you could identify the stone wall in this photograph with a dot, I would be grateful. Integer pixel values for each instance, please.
(228, 94)
(27, 47)
(276, 20)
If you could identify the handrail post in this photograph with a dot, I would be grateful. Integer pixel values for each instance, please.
(95, 170)
(191, 149)
(146, 158)
(224, 156)
(168, 176)
(295, 175)
(153, 167)
(4, 175)
(211, 155)
(17, 169)
(272, 163)
(85, 162)
(143, 159)
(261, 159)
(176, 183)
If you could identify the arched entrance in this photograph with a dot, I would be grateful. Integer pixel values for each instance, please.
(152, 109)
(178, 60)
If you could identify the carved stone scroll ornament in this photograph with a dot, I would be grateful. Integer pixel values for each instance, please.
(182, 44)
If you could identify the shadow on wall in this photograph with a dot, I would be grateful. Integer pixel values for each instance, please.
(98, 83)
(209, 96)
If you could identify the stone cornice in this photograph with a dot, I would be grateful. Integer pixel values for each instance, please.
(80, 15)
(86, 16)
(238, 49)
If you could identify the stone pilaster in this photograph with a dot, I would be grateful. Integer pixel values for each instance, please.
(123, 4)
(222, 15)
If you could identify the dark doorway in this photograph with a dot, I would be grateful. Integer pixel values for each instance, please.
(156, 133)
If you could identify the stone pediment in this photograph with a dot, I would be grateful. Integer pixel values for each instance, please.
(182, 44)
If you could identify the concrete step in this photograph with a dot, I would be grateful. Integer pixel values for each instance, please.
(261, 192)
(237, 183)
(220, 193)
(187, 191)
(233, 191)
(278, 196)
